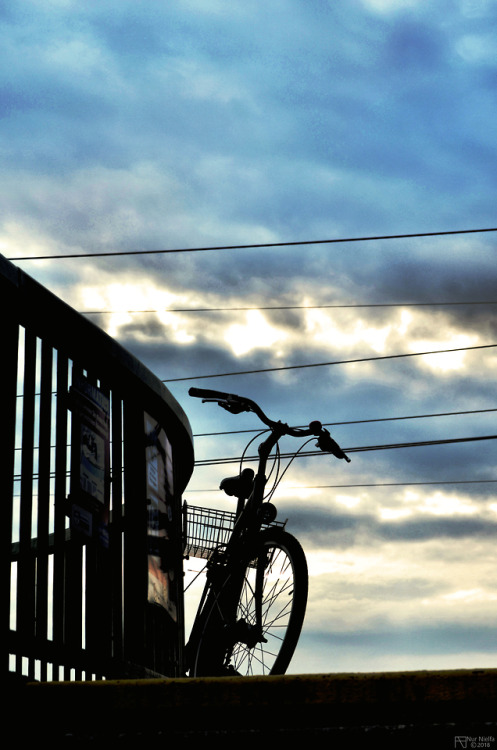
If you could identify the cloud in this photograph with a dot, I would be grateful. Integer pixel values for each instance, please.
(435, 518)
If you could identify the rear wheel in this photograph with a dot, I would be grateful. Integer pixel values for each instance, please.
(256, 631)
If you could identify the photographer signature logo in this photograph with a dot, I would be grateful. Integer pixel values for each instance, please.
(473, 742)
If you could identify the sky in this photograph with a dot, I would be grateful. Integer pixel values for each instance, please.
(141, 125)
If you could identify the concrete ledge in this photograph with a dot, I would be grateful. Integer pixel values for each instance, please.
(462, 699)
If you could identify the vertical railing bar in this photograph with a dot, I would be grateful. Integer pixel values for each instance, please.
(104, 553)
(44, 460)
(61, 468)
(10, 346)
(26, 566)
(135, 551)
(115, 541)
(98, 617)
(73, 591)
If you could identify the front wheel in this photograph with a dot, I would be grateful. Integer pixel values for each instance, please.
(257, 633)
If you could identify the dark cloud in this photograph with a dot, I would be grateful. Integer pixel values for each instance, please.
(336, 530)
(447, 275)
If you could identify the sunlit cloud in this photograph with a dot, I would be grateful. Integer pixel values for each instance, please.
(323, 330)
(436, 503)
(254, 334)
(441, 504)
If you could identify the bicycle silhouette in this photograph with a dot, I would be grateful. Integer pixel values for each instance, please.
(253, 604)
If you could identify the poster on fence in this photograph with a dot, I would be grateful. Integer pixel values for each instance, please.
(161, 562)
(90, 462)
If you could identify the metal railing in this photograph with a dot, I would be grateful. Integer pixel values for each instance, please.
(96, 454)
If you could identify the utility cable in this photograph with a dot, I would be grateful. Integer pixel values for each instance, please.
(17, 479)
(371, 484)
(360, 449)
(283, 307)
(358, 421)
(307, 454)
(327, 364)
(257, 245)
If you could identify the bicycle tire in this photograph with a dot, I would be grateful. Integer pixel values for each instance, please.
(271, 592)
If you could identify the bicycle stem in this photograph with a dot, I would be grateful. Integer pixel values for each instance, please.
(264, 451)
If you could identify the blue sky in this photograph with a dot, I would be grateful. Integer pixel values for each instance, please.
(145, 125)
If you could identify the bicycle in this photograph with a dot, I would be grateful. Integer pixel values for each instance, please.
(252, 608)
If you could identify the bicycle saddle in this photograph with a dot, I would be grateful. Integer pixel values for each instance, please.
(239, 486)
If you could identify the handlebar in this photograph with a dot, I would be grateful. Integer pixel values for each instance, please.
(208, 394)
(237, 404)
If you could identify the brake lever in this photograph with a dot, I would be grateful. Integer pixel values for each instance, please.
(328, 445)
(233, 408)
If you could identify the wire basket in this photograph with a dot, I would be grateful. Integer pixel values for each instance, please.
(206, 530)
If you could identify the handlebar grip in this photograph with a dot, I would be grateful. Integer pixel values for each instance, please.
(207, 393)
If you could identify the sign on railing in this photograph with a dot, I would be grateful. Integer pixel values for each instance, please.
(90, 465)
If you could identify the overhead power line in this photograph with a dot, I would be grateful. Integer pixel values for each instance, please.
(327, 364)
(344, 486)
(358, 421)
(282, 307)
(361, 449)
(121, 253)
(370, 484)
